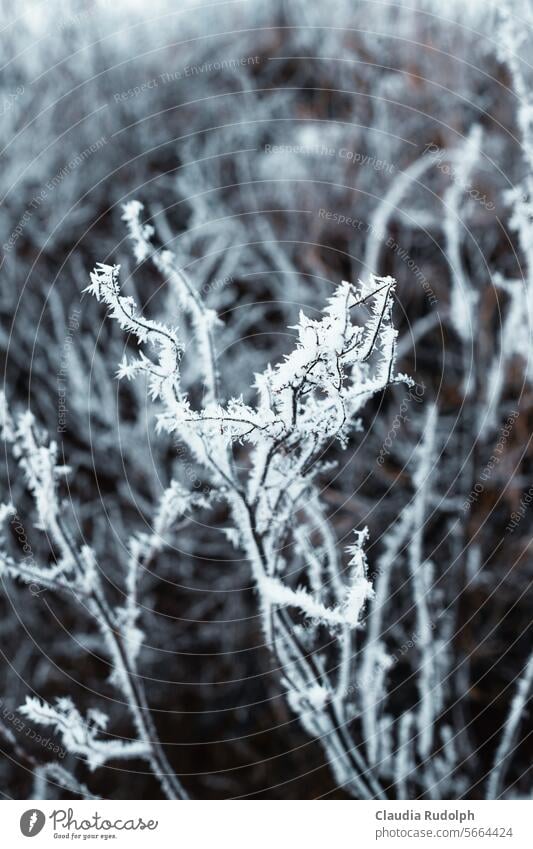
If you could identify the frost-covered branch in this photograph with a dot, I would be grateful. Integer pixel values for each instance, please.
(203, 319)
(79, 735)
(304, 404)
(510, 730)
(76, 572)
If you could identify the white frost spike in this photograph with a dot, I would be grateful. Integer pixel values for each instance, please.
(164, 374)
(313, 699)
(6, 510)
(360, 589)
(140, 234)
(79, 735)
(275, 592)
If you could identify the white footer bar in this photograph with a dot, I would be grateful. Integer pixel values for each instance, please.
(268, 824)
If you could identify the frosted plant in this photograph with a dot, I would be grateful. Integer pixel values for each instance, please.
(79, 735)
(423, 750)
(54, 774)
(391, 204)
(248, 215)
(304, 404)
(76, 572)
(514, 341)
(517, 330)
(505, 748)
(463, 298)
